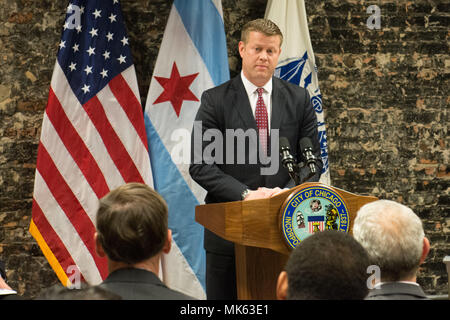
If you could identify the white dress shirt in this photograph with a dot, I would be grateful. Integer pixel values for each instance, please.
(252, 94)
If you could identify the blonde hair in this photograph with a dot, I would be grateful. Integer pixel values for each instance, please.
(265, 26)
(132, 223)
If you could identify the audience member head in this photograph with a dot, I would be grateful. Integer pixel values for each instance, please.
(328, 265)
(393, 236)
(132, 226)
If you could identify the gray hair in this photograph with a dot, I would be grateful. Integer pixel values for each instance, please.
(393, 236)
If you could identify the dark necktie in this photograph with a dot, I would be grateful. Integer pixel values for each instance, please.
(262, 120)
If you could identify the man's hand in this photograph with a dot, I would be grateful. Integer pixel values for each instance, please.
(263, 193)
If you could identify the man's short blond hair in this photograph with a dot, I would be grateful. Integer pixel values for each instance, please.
(265, 26)
(132, 223)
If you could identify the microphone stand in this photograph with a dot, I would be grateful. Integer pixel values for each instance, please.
(295, 174)
(288, 161)
(301, 165)
(295, 168)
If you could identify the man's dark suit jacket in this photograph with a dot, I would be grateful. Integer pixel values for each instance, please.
(397, 291)
(13, 296)
(227, 107)
(139, 284)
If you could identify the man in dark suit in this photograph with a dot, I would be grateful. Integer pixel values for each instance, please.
(132, 232)
(328, 265)
(394, 238)
(246, 165)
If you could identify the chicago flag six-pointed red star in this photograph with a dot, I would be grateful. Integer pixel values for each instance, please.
(176, 89)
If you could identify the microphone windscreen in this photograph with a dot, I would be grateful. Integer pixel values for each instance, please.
(284, 143)
(305, 143)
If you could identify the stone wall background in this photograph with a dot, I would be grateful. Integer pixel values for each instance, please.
(385, 95)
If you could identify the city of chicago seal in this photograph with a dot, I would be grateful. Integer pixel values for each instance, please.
(311, 210)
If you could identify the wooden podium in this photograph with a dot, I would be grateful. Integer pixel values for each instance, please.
(255, 228)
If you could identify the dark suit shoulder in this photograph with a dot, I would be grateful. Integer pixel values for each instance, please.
(396, 291)
(138, 284)
(223, 89)
(12, 296)
(217, 102)
(289, 88)
(227, 84)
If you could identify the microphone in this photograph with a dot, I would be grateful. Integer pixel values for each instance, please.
(287, 160)
(307, 151)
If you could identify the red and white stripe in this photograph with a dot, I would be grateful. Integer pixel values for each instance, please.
(311, 226)
(84, 152)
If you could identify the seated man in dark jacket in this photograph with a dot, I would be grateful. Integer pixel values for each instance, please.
(394, 238)
(328, 265)
(132, 232)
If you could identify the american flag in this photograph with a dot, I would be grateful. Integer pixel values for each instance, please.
(316, 222)
(93, 138)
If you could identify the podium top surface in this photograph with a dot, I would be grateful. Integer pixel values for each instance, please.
(260, 223)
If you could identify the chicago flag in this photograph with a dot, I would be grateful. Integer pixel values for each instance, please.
(297, 64)
(191, 59)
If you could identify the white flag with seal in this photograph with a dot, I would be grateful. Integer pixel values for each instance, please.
(297, 64)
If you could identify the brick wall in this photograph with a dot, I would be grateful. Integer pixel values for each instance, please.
(384, 94)
(385, 97)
